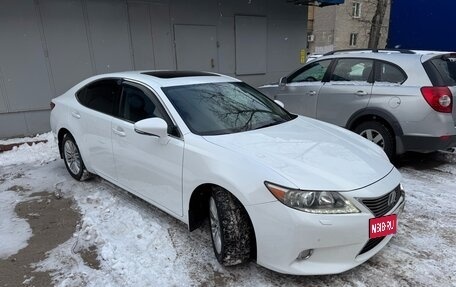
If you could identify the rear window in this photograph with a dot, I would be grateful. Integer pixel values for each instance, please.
(442, 71)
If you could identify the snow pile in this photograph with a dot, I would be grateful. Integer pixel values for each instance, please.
(14, 231)
(38, 137)
(41, 153)
(128, 242)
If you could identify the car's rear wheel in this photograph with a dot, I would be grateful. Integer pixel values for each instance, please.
(230, 227)
(379, 134)
(72, 158)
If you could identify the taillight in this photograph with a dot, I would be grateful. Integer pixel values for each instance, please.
(439, 98)
(52, 105)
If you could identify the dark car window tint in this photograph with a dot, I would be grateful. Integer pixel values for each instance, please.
(446, 68)
(388, 73)
(352, 70)
(136, 105)
(222, 108)
(101, 96)
(313, 72)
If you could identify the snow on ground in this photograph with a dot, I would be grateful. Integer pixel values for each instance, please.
(37, 153)
(14, 231)
(138, 245)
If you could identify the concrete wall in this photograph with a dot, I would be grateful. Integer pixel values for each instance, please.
(333, 26)
(324, 29)
(49, 45)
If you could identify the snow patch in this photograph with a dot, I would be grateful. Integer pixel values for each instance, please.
(127, 241)
(14, 231)
(39, 153)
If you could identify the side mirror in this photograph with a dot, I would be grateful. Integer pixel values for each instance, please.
(280, 103)
(153, 127)
(283, 82)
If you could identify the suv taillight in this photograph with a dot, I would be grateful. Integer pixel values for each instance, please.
(439, 98)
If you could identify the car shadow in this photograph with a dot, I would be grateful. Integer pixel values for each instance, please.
(425, 161)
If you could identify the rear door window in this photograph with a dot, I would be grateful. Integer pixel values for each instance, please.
(102, 96)
(389, 73)
(352, 70)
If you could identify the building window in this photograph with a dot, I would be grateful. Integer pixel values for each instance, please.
(353, 39)
(356, 10)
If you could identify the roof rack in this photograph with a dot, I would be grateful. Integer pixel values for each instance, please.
(402, 51)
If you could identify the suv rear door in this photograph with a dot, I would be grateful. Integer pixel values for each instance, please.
(348, 90)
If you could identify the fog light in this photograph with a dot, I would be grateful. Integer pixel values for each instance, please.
(305, 254)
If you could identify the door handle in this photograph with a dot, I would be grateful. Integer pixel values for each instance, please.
(119, 132)
(312, 93)
(361, 93)
(76, 115)
(212, 63)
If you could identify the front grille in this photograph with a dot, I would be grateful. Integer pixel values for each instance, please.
(371, 244)
(381, 205)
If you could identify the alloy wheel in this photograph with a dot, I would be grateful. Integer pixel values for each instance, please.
(215, 226)
(72, 157)
(374, 136)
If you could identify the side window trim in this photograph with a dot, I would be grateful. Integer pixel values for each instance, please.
(151, 94)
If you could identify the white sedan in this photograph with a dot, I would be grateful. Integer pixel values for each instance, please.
(294, 194)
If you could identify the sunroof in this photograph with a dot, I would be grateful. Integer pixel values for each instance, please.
(177, 74)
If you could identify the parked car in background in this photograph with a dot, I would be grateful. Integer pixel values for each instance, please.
(297, 195)
(401, 100)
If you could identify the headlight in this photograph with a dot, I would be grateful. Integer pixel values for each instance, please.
(322, 202)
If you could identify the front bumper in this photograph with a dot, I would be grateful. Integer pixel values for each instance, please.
(282, 233)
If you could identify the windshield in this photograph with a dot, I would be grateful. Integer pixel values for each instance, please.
(222, 108)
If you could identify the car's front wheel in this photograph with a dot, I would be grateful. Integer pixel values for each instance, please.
(72, 158)
(379, 134)
(230, 228)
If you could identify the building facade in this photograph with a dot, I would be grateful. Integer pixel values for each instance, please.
(346, 26)
(47, 46)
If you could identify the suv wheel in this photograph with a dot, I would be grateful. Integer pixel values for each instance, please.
(379, 134)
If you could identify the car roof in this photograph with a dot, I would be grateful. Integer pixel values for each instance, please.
(384, 54)
(167, 78)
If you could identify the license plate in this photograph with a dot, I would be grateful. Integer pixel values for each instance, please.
(382, 226)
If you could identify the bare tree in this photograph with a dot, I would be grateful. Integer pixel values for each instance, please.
(377, 23)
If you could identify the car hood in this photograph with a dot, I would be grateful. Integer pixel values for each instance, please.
(311, 154)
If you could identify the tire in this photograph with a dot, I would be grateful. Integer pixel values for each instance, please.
(230, 227)
(379, 134)
(72, 158)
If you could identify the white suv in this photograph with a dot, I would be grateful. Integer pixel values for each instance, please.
(401, 100)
